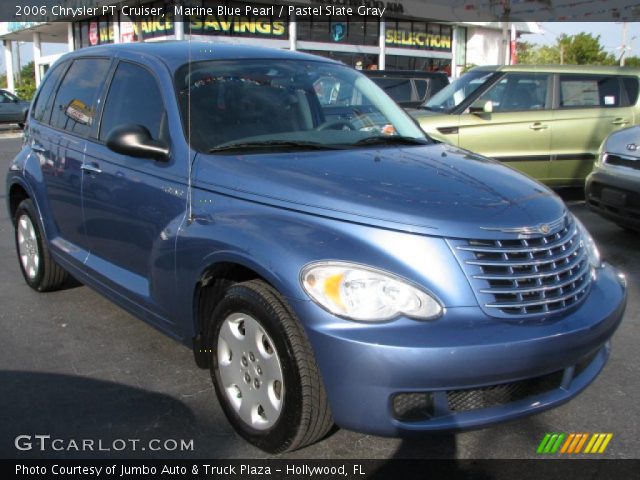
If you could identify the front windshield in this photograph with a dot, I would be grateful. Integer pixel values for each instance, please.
(229, 103)
(454, 94)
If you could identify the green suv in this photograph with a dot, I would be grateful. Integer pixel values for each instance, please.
(547, 121)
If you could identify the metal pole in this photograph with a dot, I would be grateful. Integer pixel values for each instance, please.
(623, 54)
(37, 53)
(293, 33)
(8, 62)
(178, 27)
(19, 74)
(382, 56)
(70, 45)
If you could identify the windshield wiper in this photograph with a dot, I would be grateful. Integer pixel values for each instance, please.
(391, 140)
(269, 144)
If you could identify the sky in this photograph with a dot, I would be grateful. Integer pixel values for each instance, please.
(610, 37)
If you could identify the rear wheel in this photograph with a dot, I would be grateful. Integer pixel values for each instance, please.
(264, 372)
(38, 268)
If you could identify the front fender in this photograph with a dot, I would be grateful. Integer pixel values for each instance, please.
(276, 243)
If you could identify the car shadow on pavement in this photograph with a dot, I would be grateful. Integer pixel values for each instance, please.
(74, 408)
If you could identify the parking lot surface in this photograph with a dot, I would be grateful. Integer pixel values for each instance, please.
(74, 366)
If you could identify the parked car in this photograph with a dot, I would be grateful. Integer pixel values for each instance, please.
(12, 108)
(326, 267)
(409, 88)
(613, 188)
(547, 121)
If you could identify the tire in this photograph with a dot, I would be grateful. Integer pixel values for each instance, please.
(254, 337)
(38, 268)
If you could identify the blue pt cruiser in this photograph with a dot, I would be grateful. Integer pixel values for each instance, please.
(328, 262)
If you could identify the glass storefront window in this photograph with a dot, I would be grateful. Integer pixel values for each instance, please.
(338, 30)
(402, 62)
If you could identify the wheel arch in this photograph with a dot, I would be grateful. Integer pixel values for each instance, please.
(17, 193)
(214, 279)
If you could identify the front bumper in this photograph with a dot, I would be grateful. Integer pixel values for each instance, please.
(615, 196)
(366, 367)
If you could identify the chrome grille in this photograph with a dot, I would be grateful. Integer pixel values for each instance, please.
(622, 161)
(527, 276)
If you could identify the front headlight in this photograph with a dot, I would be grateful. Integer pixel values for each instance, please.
(362, 293)
(592, 249)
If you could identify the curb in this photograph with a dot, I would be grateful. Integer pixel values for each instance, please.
(10, 135)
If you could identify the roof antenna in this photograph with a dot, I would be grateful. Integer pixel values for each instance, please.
(190, 155)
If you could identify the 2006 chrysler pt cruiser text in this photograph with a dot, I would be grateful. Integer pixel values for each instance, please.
(327, 261)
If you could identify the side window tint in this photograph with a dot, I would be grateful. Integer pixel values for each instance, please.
(397, 88)
(134, 98)
(421, 87)
(42, 108)
(631, 87)
(519, 92)
(74, 108)
(590, 91)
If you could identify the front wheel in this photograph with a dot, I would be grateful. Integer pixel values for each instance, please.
(38, 268)
(264, 372)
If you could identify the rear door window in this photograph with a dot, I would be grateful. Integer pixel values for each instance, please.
(41, 110)
(75, 103)
(596, 91)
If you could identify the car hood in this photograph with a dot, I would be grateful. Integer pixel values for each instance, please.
(435, 189)
(422, 112)
(624, 142)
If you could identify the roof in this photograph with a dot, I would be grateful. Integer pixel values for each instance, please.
(176, 53)
(562, 69)
(402, 73)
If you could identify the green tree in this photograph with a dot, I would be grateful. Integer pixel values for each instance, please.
(584, 49)
(581, 49)
(26, 88)
(632, 61)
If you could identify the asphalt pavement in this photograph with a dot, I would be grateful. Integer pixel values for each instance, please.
(75, 366)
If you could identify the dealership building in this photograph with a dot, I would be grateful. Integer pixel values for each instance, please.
(408, 36)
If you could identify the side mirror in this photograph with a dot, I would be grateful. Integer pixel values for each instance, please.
(136, 141)
(481, 106)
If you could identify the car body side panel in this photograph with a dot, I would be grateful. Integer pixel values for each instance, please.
(576, 137)
(131, 218)
(519, 139)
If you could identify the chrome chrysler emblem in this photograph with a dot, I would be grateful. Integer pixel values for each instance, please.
(543, 228)
(632, 147)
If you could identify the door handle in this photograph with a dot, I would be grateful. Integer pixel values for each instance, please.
(538, 126)
(620, 121)
(91, 168)
(38, 148)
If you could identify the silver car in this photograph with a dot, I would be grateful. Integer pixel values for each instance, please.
(613, 188)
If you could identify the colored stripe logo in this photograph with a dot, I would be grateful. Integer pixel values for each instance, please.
(574, 443)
